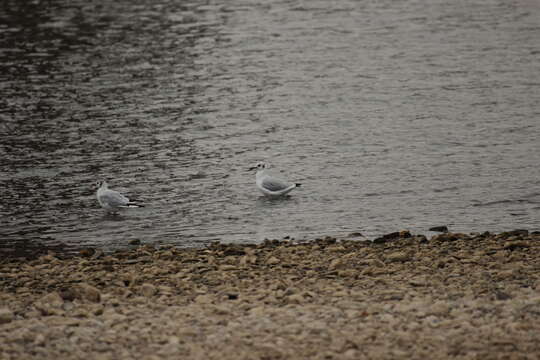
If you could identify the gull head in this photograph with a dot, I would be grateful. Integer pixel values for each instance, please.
(101, 184)
(259, 166)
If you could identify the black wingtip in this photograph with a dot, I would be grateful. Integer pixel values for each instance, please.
(298, 184)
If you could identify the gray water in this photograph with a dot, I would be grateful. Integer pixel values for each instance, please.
(392, 114)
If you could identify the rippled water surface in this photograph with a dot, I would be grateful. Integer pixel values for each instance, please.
(392, 114)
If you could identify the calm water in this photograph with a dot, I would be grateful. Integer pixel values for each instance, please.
(393, 115)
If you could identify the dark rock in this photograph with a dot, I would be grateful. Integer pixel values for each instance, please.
(327, 240)
(405, 234)
(518, 232)
(234, 251)
(67, 294)
(270, 243)
(232, 296)
(135, 242)
(513, 245)
(445, 237)
(87, 252)
(387, 237)
(499, 295)
(442, 228)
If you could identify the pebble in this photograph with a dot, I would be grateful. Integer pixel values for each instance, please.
(88, 292)
(329, 298)
(400, 256)
(148, 290)
(273, 260)
(6, 315)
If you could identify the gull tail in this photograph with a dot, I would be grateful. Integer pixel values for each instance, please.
(134, 204)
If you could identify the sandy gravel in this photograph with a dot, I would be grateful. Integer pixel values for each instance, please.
(452, 296)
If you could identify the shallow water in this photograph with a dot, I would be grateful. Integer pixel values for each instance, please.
(392, 115)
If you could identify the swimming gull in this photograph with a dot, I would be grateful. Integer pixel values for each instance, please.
(111, 200)
(269, 185)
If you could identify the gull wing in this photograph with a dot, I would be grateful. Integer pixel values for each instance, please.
(273, 184)
(113, 198)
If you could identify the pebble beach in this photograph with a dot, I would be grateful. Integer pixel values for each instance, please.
(460, 296)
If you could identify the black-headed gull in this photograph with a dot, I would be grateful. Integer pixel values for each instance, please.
(111, 200)
(269, 185)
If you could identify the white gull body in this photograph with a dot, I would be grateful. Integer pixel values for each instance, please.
(271, 186)
(112, 201)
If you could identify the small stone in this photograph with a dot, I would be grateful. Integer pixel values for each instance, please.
(87, 252)
(39, 340)
(47, 258)
(89, 292)
(336, 248)
(203, 299)
(227, 267)
(135, 242)
(374, 263)
(258, 311)
(445, 237)
(6, 315)
(148, 290)
(516, 244)
(518, 232)
(418, 281)
(296, 298)
(440, 308)
(500, 295)
(50, 304)
(272, 261)
(336, 263)
(506, 274)
(386, 238)
(67, 294)
(398, 256)
(98, 254)
(347, 273)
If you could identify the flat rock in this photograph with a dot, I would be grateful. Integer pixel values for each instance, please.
(398, 256)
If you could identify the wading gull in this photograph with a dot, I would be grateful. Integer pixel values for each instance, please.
(111, 200)
(270, 186)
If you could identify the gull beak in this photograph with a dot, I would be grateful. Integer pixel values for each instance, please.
(252, 168)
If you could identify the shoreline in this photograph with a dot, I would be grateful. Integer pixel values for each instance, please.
(450, 296)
